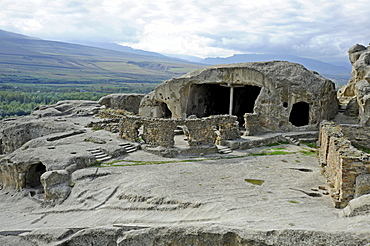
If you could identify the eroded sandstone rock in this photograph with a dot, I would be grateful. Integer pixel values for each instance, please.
(45, 120)
(358, 206)
(57, 184)
(129, 102)
(52, 138)
(358, 86)
(280, 96)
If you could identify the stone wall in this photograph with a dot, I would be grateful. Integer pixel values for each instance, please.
(129, 127)
(341, 163)
(161, 132)
(252, 124)
(106, 124)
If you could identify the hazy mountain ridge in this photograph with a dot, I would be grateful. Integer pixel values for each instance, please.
(23, 57)
(311, 64)
(120, 48)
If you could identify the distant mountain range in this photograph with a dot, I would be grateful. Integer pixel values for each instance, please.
(311, 64)
(26, 59)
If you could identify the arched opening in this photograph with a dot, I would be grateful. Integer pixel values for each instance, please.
(300, 114)
(33, 175)
(166, 112)
(181, 134)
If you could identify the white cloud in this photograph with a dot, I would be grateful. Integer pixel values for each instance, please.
(202, 27)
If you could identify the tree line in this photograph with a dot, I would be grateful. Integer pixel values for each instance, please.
(18, 103)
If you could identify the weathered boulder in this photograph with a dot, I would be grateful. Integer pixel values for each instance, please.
(362, 91)
(358, 206)
(128, 102)
(281, 95)
(358, 86)
(57, 184)
(352, 108)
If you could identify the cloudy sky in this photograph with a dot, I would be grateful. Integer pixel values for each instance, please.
(321, 29)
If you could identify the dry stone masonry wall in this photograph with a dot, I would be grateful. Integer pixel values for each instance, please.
(161, 132)
(342, 163)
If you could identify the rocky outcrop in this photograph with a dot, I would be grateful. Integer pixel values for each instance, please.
(151, 107)
(69, 107)
(45, 120)
(358, 206)
(40, 148)
(358, 86)
(281, 96)
(183, 236)
(60, 151)
(223, 236)
(128, 102)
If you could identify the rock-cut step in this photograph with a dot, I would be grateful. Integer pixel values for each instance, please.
(292, 140)
(100, 155)
(128, 147)
(224, 150)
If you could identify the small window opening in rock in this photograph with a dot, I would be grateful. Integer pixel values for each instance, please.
(299, 116)
(33, 175)
(285, 104)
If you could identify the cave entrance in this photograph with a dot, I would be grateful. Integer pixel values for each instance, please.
(33, 175)
(166, 112)
(244, 100)
(300, 114)
(215, 99)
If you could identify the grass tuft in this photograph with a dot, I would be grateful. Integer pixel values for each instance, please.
(255, 181)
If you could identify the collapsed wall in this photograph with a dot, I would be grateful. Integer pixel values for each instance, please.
(161, 132)
(343, 164)
(279, 96)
